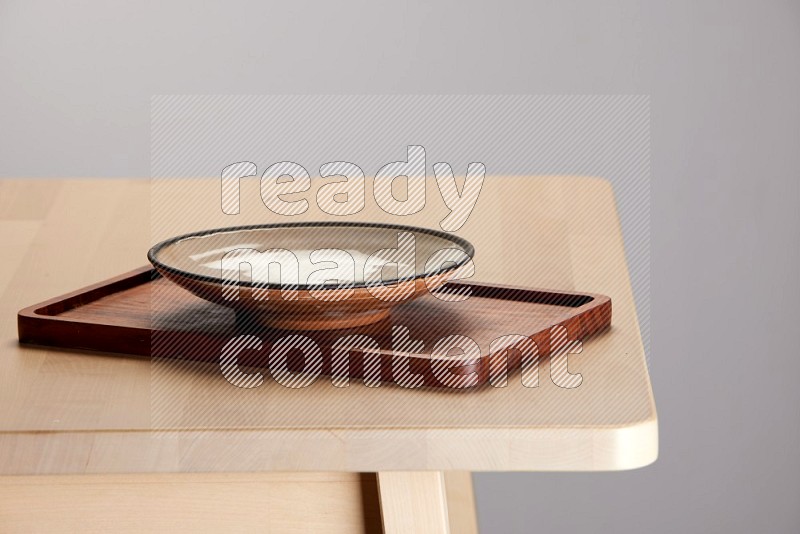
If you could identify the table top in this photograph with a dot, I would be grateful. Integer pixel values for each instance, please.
(73, 412)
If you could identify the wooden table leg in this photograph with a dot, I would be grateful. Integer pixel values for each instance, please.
(426, 502)
(461, 502)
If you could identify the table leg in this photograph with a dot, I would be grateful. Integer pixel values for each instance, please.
(461, 502)
(426, 502)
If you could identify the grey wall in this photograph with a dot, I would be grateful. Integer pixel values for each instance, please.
(75, 87)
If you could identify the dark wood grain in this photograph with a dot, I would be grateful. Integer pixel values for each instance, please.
(140, 313)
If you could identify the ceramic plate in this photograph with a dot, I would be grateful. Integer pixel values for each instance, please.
(312, 275)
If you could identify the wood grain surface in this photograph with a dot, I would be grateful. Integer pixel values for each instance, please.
(76, 413)
(345, 503)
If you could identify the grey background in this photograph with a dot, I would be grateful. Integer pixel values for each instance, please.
(724, 77)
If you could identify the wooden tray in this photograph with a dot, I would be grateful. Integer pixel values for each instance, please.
(119, 316)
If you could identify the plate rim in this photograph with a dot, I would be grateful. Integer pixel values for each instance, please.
(465, 245)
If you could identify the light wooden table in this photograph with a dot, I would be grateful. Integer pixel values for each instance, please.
(81, 448)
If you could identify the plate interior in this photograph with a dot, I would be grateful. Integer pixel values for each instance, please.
(314, 248)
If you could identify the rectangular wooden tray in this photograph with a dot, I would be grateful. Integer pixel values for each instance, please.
(118, 316)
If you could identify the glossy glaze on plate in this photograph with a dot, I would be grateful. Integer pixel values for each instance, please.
(294, 297)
